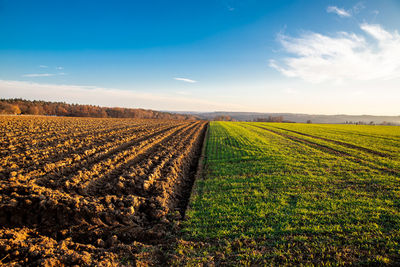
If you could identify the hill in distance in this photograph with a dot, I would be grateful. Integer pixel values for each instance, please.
(301, 118)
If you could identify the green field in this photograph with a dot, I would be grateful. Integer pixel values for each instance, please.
(275, 193)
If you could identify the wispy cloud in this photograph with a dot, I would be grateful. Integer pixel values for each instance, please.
(43, 66)
(38, 75)
(346, 56)
(339, 11)
(35, 75)
(59, 68)
(185, 80)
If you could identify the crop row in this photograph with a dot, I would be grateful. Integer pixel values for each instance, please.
(116, 184)
(292, 199)
(359, 154)
(381, 141)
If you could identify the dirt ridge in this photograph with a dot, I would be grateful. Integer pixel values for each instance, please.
(138, 194)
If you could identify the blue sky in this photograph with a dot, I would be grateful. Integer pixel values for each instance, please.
(326, 57)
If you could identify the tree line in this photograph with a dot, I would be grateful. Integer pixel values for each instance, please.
(275, 119)
(18, 106)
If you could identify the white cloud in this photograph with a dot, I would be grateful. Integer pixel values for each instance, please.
(339, 11)
(35, 75)
(378, 32)
(346, 56)
(38, 75)
(59, 68)
(43, 66)
(109, 97)
(185, 80)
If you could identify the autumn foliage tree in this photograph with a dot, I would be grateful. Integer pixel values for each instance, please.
(7, 108)
(20, 106)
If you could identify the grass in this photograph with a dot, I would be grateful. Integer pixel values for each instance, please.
(272, 195)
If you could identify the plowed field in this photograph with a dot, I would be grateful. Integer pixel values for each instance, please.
(82, 191)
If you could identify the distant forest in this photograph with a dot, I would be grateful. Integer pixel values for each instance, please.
(20, 106)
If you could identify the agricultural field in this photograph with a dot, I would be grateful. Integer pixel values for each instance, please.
(106, 192)
(295, 194)
(81, 191)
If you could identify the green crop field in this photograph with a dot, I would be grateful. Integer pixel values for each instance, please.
(275, 194)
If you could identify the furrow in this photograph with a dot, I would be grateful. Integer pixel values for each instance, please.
(79, 182)
(37, 158)
(103, 184)
(57, 175)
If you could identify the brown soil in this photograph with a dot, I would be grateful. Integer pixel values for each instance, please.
(92, 192)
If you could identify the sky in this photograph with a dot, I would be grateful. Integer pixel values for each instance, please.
(316, 57)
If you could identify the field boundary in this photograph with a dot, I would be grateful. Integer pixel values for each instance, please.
(199, 172)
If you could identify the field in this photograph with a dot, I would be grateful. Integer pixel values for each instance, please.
(290, 194)
(98, 192)
(82, 191)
